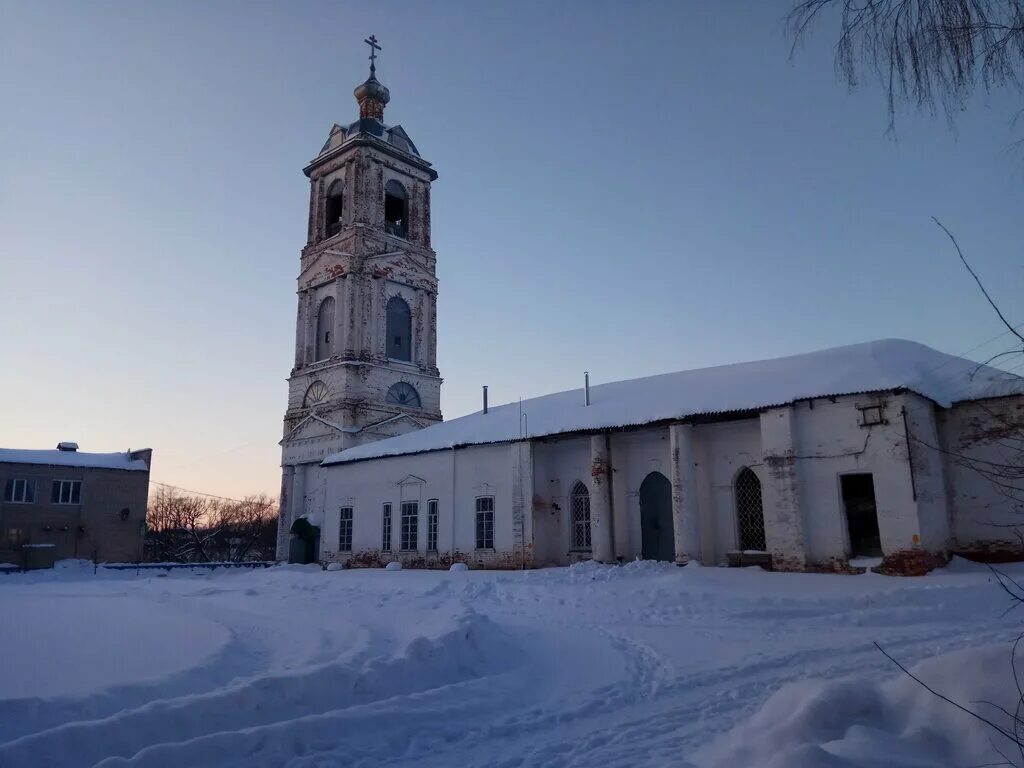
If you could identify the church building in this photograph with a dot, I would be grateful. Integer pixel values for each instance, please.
(365, 343)
(876, 453)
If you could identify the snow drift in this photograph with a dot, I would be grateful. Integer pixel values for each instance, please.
(896, 724)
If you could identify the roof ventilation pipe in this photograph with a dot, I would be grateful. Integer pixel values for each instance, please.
(586, 387)
(485, 398)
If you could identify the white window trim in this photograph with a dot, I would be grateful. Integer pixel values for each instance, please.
(476, 514)
(401, 527)
(25, 481)
(68, 503)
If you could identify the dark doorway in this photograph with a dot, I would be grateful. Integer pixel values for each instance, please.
(304, 546)
(657, 533)
(861, 515)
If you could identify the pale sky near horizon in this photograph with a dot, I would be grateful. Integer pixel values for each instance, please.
(624, 188)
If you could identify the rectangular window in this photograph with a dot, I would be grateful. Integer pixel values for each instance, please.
(385, 543)
(17, 490)
(410, 525)
(66, 491)
(485, 522)
(432, 525)
(12, 538)
(345, 530)
(871, 415)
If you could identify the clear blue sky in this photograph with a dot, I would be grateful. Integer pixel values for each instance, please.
(627, 188)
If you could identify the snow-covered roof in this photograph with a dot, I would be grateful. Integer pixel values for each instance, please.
(870, 367)
(58, 458)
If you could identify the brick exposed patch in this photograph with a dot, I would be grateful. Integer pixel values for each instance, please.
(911, 562)
(992, 551)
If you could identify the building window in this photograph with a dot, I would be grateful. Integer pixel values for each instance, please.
(385, 539)
(66, 491)
(325, 329)
(396, 209)
(749, 512)
(316, 394)
(403, 393)
(410, 525)
(20, 491)
(334, 209)
(485, 522)
(871, 415)
(580, 506)
(432, 525)
(12, 538)
(345, 530)
(399, 329)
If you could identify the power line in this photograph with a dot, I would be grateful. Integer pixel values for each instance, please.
(196, 493)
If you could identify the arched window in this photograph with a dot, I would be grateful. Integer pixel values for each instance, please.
(316, 394)
(579, 504)
(749, 511)
(325, 329)
(403, 393)
(399, 329)
(396, 209)
(334, 208)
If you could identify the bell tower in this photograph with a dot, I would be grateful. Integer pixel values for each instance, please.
(366, 334)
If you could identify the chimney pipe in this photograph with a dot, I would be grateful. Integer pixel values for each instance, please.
(586, 387)
(485, 398)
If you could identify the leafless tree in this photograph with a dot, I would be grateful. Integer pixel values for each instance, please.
(929, 53)
(186, 528)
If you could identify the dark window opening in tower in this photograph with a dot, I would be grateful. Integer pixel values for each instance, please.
(396, 209)
(325, 329)
(334, 209)
(399, 330)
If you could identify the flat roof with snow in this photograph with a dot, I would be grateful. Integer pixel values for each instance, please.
(859, 368)
(67, 458)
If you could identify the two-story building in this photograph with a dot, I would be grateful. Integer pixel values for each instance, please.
(65, 503)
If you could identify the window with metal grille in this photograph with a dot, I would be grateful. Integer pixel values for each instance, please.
(66, 491)
(485, 522)
(580, 506)
(410, 524)
(20, 491)
(432, 525)
(385, 542)
(345, 530)
(749, 511)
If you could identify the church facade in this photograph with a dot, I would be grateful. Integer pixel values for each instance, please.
(365, 346)
(876, 452)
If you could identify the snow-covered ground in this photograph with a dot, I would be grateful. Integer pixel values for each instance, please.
(643, 664)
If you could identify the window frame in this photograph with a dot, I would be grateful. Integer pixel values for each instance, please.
(327, 334)
(400, 227)
(877, 418)
(587, 524)
(345, 531)
(336, 191)
(26, 484)
(482, 524)
(407, 329)
(745, 487)
(57, 492)
(385, 540)
(432, 524)
(409, 532)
